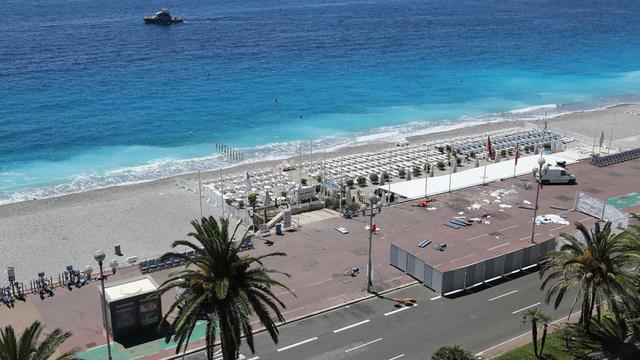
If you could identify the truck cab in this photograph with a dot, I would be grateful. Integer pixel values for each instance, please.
(556, 175)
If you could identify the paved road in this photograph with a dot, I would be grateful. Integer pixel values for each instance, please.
(374, 329)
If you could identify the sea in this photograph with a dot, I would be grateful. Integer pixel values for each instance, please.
(92, 97)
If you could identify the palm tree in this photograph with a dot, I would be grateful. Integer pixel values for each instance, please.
(454, 352)
(631, 242)
(28, 348)
(221, 288)
(595, 267)
(536, 316)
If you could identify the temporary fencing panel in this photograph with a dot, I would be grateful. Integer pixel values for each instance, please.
(437, 281)
(512, 261)
(494, 267)
(530, 255)
(474, 274)
(411, 265)
(428, 276)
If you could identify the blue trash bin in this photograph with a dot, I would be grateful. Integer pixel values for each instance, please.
(278, 229)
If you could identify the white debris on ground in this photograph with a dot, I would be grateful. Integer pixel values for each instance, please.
(527, 202)
(551, 219)
(486, 201)
(475, 206)
(501, 192)
(461, 213)
(431, 208)
(506, 206)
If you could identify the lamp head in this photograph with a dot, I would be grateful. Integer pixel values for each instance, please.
(114, 265)
(373, 198)
(534, 171)
(99, 256)
(541, 161)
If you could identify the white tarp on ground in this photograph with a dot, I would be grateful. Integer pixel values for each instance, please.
(414, 189)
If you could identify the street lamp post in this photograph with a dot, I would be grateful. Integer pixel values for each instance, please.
(99, 257)
(373, 204)
(535, 171)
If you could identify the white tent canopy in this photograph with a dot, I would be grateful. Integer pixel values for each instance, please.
(473, 176)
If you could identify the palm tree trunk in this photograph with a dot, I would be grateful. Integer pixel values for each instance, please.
(544, 338)
(534, 335)
(209, 345)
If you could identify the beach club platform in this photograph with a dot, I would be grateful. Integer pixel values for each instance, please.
(500, 244)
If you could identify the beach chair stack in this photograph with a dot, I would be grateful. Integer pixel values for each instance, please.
(602, 161)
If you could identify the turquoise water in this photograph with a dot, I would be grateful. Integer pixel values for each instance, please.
(92, 97)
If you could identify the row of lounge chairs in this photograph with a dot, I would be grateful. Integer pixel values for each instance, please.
(601, 161)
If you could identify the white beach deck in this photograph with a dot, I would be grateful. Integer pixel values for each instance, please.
(464, 178)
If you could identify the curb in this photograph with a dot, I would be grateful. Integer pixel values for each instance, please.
(306, 316)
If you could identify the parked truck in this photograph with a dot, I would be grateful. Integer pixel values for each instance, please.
(556, 175)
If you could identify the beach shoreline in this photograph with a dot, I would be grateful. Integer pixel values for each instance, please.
(144, 218)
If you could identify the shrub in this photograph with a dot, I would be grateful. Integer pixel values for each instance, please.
(318, 188)
(361, 181)
(373, 177)
(283, 194)
(472, 154)
(353, 205)
(454, 352)
(303, 181)
(241, 204)
(448, 148)
(385, 176)
(402, 172)
(416, 171)
(331, 202)
(440, 165)
(229, 201)
(458, 160)
(503, 152)
(318, 178)
(441, 149)
(349, 182)
(547, 146)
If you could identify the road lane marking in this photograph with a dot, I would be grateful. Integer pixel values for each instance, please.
(297, 344)
(398, 310)
(436, 297)
(397, 357)
(509, 228)
(462, 257)
(320, 282)
(254, 358)
(477, 237)
(499, 246)
(363, 345)
(529, 237)
(351, 326)
(503, 295)
(525, 308)
(558, 227)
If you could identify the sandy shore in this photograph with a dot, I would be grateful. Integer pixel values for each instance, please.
(47, 234)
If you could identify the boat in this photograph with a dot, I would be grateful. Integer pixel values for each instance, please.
(163, 17)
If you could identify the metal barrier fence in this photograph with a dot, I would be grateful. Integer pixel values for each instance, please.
(471, 275)
(601, 161)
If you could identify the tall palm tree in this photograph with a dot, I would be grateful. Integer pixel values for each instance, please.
(631, 242)
(27, 346)
(595, 267)
(221, 288)
(536, 316)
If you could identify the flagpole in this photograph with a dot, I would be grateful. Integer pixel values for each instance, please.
(341, 181)
(595, 135)
(426, 175)
(200, 192)
(611, 135)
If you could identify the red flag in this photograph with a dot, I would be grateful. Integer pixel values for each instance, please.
(373, 225)
(488, 147)
(517, 153)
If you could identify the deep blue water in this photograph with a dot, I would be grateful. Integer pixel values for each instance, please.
(90, 96)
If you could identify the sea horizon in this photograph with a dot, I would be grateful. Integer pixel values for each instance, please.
(90, 103)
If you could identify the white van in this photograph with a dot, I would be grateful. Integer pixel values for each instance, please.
(556, 175)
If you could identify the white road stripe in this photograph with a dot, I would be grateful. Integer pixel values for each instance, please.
(503, 295)
(525, 308)
(351, 326)
(363, 345)
(509, 228)
(398, 310)
(254, 358)
(397, 357)
(297, 344)
(436, 297)
(499, 246)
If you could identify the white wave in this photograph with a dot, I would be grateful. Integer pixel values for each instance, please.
(534, 108)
